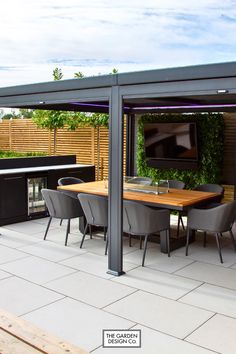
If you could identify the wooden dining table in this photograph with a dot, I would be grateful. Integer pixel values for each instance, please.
(174, 199)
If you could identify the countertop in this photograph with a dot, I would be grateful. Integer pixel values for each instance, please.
(39, 169)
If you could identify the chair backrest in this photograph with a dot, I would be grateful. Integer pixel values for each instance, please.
(60, 205)
(218, 219)
(211, 187)
(174, 183)
(64, 181)
(95, 209)
(139, 219)
(147, 181)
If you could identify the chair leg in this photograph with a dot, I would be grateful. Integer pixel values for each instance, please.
(145, 249)
(61, 222)
(90, 231)
(107, 241)
(204, 239)
(219, 248)
(168, 241)
(233, 239)
(178, 226)
(182, 223)
(67, 231)
(140, 242)
(85, 230)
(130, 245)
(187, 241)
(105, 233)
(49, 222)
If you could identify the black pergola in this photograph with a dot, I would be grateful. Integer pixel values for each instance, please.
(185, 89)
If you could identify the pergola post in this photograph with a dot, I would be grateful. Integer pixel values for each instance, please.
(115, 209)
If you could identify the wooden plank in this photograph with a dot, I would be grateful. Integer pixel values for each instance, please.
(11, 345)
(176, 198)
(33, 336)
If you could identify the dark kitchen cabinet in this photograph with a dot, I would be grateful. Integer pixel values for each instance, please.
(13, 198)
(20, 196)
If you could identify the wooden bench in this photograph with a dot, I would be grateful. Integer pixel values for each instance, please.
(18, 336)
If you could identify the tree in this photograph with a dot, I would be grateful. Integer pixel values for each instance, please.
(95, 120)
(12, 115)
(51, 120)
(78, 75)
(57, 74)
(114, 71)
(25, 113)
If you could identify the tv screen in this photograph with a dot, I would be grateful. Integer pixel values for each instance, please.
(173, 141)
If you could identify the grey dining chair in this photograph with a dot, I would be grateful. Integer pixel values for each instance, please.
(214, 188)
(65, 181)
(174, 183)
(95, 209)
(208, 187)
(142, 220)
(147, 181)
(216, 220)
(61, 206)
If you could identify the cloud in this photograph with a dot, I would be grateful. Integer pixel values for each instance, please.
(95, 36)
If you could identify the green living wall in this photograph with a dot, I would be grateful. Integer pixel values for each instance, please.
(210, 128)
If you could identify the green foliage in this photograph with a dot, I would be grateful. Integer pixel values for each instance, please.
(92, 119)
(114, 71)
(25, 113)
(50, 119)
(12, 115)
(57, 74)
(78, 75)
(11, 154)
(210, 147)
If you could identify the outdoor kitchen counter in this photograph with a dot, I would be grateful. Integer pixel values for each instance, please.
(20, 197)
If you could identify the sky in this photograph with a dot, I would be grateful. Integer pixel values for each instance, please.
(95, 36)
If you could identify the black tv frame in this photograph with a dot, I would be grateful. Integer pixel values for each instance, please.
(180, 164)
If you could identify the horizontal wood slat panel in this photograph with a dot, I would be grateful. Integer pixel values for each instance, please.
(22, 135)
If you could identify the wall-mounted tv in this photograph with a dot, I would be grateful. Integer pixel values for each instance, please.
(171, 141)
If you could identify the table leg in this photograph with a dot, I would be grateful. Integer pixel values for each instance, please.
(163, 243)
(174, 243)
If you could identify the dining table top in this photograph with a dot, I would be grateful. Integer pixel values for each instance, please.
(175, 199)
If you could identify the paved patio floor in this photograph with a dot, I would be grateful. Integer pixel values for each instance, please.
(184, 305)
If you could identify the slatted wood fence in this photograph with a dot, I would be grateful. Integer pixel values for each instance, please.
(90, 145)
